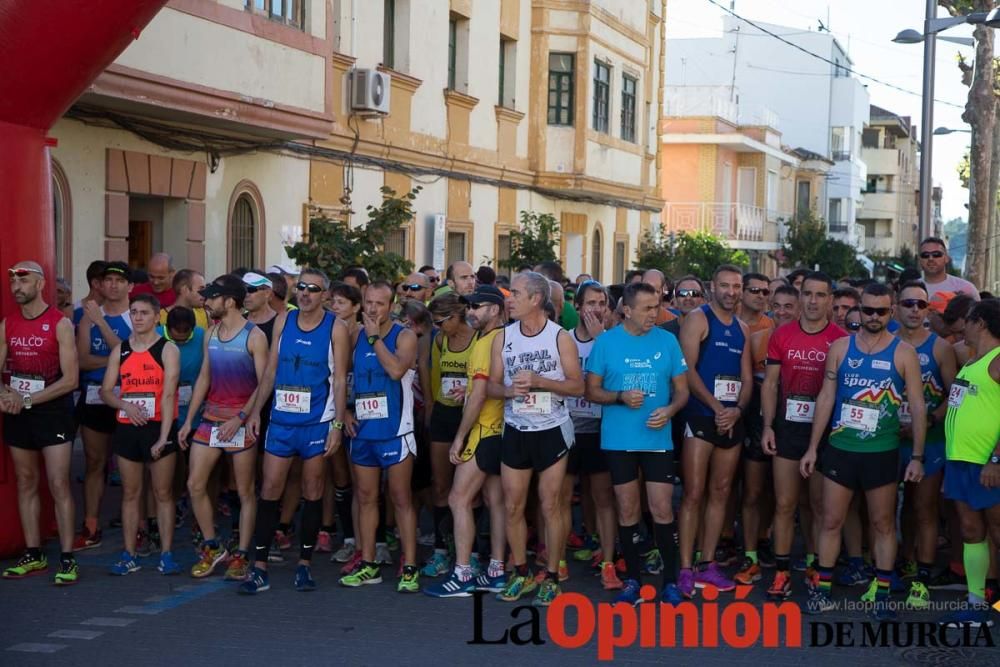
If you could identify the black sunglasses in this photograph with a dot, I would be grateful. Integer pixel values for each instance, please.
(881, 312)
(438, 323)
(689, 293)
(433, 279)
(253, 289)
(312, 288)
(853, 326)
(936, 254)
(413, 287)
(758, 290)
(913, 303)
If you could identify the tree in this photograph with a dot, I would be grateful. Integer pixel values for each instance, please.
(332, 246)
(806, 244)
(696, 253)
(535, 242)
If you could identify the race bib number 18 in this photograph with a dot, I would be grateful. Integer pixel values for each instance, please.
(727, 388)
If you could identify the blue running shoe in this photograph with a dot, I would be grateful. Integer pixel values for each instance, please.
(477, 567)
(852, 575)
(452, 587)
(126, 565)
(303, 579)
(485, 582)
(168, 565)
(436, 565)
(883, 612)
(630, 593)
(974, 616)
(257, 582)
(671, 595)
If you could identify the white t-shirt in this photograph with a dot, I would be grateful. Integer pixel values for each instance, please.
(953, 284)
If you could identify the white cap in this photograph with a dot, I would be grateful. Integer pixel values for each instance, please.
(284, 269)
(256, 280)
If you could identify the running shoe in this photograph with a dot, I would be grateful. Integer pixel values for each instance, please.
(324, 542)
(713, 576)
(749, 573)
(974, 616)
(811, 578)
(609, 577)
(304, 581)
(542, 556)
(143, 549)
(906, 569)
(485, 582)
(547, 592)
(725, 552)
(781, 587)
(345, 553)
(563, 573)
(671, 595)
(883, 612)
(283, 539)
(409, 580)
(948, 580)
(274, 554)
(452, 587)
(256, 582)
(799, 564)
(27, 566)
(353, 564)
(426, 540)
(364, 575)
(238, 567)
(652, 563)
(869, 595)
(126, 565)
(819, 602)
(392, 540)
(168, 566)
(436, 565)
(477, 567)
(630, 593)
(517, 586)
(852, 575)
(382, 554)
(68, 574)
(210, 558)
(87, 540)
(765, 554)
(919, 597)
(685, 582)
(574, 541)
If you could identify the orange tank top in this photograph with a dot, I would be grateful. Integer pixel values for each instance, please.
(141, 375)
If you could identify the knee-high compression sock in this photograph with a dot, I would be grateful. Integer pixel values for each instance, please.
(312, 518)
(630, 550)
(342, 497)
(976, 558)
(667, 544)
(267, 518)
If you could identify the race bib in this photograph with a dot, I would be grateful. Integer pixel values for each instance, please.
(26, 384)
(800, 409)
(581, 407)
(904, 413)
(727, 388)
(145, 402)
(859, 416)
(450, 383)
(184, 392)
(292, 399)
(535, 403)
(372, 406)
(237, 442)
(957, 394)
(94, 394)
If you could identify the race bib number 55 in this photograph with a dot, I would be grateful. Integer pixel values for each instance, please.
(859, 416)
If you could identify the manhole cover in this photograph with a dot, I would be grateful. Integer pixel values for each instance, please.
(952, 657)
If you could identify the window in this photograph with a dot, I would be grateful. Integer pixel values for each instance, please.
(602, 91)
(452, 52)
(628, 107)
(502, 73)
(772, 192)
(619, 262)
(561, 68)
(456, 247)
(396, 242)
(291, 12)
(872, 185)
(836, 222)
(840, 143)
(503, 255)
(596, 251)
(803, 198)
(389, 34)
(243, 233)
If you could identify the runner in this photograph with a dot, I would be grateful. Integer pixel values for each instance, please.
(37, 348)
(450, 352)
(638, 374)
(146, 366)
(843, 300)
(534, 366)
(234, 361)
(934, 260)
(972, 473)
(100, 329)
(257, 304)
(796, 358)
(862, 389)
(720, 379)
(384, 357)
(187, 285)
(478, 460)
(920, 503)
(461, 277)
(95, 281)
(753, 303)
(306, 377)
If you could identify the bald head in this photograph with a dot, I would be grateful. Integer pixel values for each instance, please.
(26, 283)
(556, 296)
(417, 279)
(462, 278)
(161, 272)
(654, 277)
(28, 265)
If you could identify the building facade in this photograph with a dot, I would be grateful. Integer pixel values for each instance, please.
(228, 125)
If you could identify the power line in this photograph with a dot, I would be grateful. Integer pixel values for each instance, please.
(842, 66)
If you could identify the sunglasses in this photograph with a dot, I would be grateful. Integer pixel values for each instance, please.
(689, 293)
(414, 287)
(936, 254)
(312, 288)
(22, 272)
(853, 326)
(253, 289)
(438, 323)
(913, 303)
(758, 290)
(434, 279)
(881, 312)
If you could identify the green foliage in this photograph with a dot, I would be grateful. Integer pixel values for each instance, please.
(332, 246)
(806, 244)
(534, 242)
(698, 253)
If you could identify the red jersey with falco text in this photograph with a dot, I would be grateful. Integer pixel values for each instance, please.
(802, 357)
(33, 348)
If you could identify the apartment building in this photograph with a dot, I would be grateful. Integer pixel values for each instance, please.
(229, 124)
(888, 213)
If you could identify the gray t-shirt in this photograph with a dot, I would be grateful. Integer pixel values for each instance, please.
(953, 284)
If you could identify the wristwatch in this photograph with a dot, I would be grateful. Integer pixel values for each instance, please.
(26, 399)
(372, 339)
(337, 425)
(917, 457)
(995, 459)
(243, 416)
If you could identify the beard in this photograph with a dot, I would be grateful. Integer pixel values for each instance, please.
(874, 326)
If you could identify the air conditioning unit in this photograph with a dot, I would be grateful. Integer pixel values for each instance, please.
(370, 91)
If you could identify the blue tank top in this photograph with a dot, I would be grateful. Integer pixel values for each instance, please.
(122, 326)
(866, 382)
(371, 382)
(234, 376)
(191, 353)
(930, 376)
(720, 356)
(305, 366)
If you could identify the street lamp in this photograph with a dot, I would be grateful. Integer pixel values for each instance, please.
(932, 26)
(941, 131)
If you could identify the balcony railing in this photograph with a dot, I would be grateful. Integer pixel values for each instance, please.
(732, 221)
(841, 156)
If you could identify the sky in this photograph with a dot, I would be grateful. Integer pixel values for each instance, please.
(865, 28)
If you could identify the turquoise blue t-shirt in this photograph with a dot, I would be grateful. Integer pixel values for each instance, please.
(648, 363)
(191, 354)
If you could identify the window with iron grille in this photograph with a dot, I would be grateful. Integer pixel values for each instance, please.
(389, 34)
(602, 93)
(619, 262)
(502, 73)
(456, 247)
(291, 12)
(503, 255)
(596, 251)
(628, 107)
(452, 52)
(243, 233)
(561, 69)
(396, 242)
